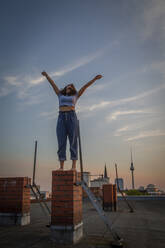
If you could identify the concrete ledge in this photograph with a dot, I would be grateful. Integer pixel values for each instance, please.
(142, 197)
(67, 234)
(14, 219)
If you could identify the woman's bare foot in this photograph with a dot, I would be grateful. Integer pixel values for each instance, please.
(73, 165)
(61, 165)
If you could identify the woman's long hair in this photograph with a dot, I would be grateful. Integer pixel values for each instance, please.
(72, 92)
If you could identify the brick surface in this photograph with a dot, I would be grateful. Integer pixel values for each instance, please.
(108, 193)
(66, 198)
(14, 195)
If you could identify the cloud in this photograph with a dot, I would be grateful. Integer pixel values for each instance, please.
(75, 64)
(70, 67)
(132, 127)
(158, 66)
(153, 19)
(81, 62)
(116, 114)
(4, 91)
(122, 101)
(49, 115)
(119, 131)
(12, 80)
(123, 129)
(146, 134)
(37, 80)
(9, 85)
(26, 82)
(102, 104)
(33, 100)
(142, 124)
(97, 87)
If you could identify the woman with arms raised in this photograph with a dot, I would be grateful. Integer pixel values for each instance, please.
(67, 119)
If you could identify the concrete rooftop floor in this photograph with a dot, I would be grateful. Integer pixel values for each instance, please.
(145, 228)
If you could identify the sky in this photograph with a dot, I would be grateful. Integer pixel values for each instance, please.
(73, 41)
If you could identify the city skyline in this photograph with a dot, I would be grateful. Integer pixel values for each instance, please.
(73, 41)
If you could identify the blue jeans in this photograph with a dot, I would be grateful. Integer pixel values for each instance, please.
(67, 125)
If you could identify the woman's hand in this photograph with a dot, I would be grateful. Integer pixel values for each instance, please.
(51, 82)
(98, 77)
(81, 91)
(44, 73)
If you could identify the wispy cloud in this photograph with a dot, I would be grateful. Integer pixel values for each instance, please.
(131, 127)
(49, 115)
(156, 66)
(22, 84)
(120, 131)
(4, 91)
(73, 66)
(16, 84)
(153, 19)
(100, 105)
(32, 99)
(116, 114)
(98, 87)
(122, 101)
(151, 133)
(123, 129)
(12, 81)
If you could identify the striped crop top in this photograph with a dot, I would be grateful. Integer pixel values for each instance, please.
(67, 100)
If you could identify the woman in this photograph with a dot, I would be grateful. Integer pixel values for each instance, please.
(67, 119)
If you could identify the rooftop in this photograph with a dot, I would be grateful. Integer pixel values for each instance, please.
(143, 228)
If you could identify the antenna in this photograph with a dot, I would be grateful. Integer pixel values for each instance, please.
(34, 166)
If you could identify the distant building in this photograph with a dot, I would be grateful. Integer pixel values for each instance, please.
(86, 177)
(141, 188)
(100, 181)
(120, 183)
(152, 189)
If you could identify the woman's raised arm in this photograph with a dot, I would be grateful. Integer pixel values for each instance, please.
(81, 91)
(56, 89)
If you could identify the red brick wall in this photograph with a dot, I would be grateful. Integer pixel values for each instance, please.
(108, 193)
(66, 198)
(14, 195)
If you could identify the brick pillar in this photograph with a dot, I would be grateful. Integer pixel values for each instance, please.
(66, 210)
(107, 196)
(14, 201)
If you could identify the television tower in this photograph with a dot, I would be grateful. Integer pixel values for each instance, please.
(132, 171)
